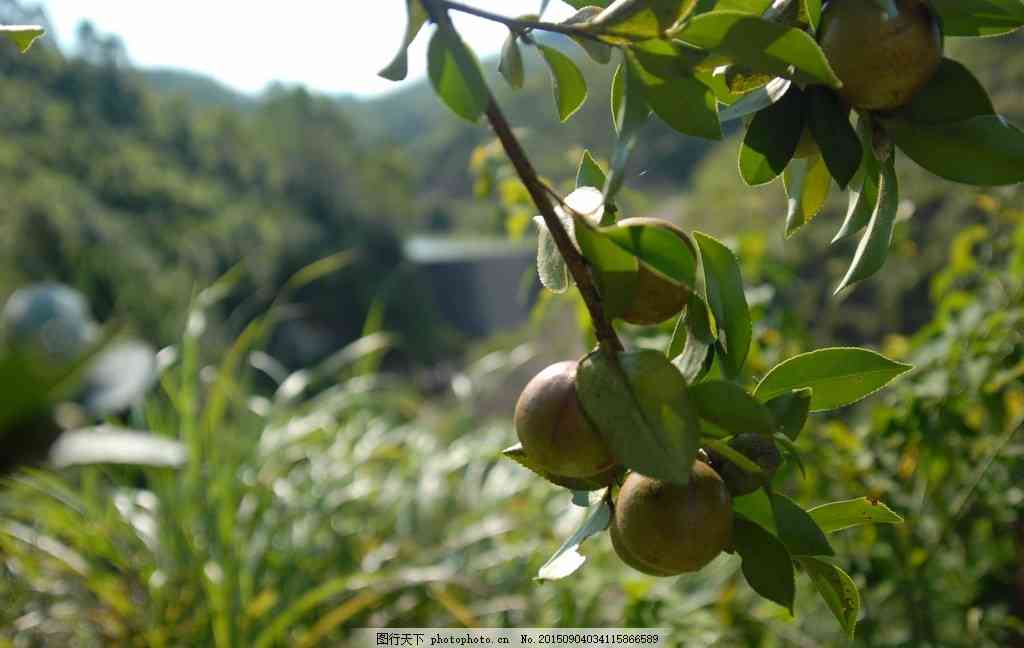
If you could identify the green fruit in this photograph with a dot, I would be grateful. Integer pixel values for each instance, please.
(553, 429)
(652, 298)
(882, 61)
(758, 448)
(665, 529)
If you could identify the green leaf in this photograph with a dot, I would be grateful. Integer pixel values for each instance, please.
(985, 150)
(658, 248)
(589, 173)
(587, 202)
(813, 10)
(953, 94)
(829, 122)
(837, 516)
(756, 101)
(731, 408)
(455, 74)
(668, 59)
(979, 17)
(837, 589)
(518, 455)
(598, 51)
(767, 565)
(864, 188)
(839, 376)
(551, 268)
(567, 559)
(757, 507)
(511, 64)
(615, 269)
(797, 529)
(699, 349)
(807, 182)
(625, 21)
(724, 290)
(682, 102)
(569, 85)
(874, 244)
(22, 35)
(580, 4)
(641, 407)
(630, 112)
(760, 45)
(790, 411)
(772, 138)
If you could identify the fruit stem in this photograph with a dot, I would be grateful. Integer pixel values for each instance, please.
(518, 25)
(736, 457)
(603, 330)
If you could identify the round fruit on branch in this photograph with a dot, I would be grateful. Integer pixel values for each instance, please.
(665, 529)
(554, 432)
(653, 298)
(758, 448)
(882, 60)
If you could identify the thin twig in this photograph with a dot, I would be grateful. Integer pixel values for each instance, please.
(518, 25)
(577, 265)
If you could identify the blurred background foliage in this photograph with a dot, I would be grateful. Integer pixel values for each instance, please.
(342, 440)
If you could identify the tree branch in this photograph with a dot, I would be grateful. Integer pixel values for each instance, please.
(603, 330)
(517, 25)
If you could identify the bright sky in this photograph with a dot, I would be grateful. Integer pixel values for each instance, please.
(333, 46)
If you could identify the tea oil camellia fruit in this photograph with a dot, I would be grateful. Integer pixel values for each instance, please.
(654, 299)
(758, 448)
(666, 529)
(882, 60)
(554, 432)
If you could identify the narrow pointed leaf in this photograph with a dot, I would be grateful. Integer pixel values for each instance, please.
(698, 352)
(790, 410)
(807, 182)
(517, 454)
(979, 17)
(625, 21)
(838, 376)
(864, 188)
(724, 288)
(589, 173)
(570, 87)
(846, 514)
(568, 559)
(837, 589)
(767, 565)
(772, 138)
(455, 74)
(511, 64)
(755, 101)
(416, 16)
(682, 102)
(761, 45)
(874, 243)
(797, 529)
(830, 124)
(985, 150)
(952, 95)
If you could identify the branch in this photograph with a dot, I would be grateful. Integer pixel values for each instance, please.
(517, 25)
(603, 330)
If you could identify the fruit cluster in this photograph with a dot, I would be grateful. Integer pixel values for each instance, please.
(657, 527)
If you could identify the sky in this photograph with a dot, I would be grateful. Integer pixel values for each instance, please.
(334, 46)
